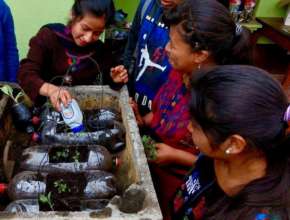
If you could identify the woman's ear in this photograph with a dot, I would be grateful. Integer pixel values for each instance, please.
(189, 127)
(201, 56)
(234, 144)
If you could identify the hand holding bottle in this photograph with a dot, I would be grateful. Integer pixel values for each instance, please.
(56, 94)
(72, 116)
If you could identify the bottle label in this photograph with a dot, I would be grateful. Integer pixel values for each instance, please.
(68, 112)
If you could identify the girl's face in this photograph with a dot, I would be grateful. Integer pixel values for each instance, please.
(202, 142)
(87, 29)
(180, 54)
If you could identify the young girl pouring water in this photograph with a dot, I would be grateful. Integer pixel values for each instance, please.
(70, 54)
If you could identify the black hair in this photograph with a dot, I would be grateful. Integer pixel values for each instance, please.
(244, 100)
(208, 25)
(97, 8)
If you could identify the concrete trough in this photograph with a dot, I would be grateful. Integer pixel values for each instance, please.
(137, 199)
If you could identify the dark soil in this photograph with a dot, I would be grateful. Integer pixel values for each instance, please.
(68, 154)
(96, 120)
(67, 199)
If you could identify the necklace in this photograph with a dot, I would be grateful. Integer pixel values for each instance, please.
(73, 60)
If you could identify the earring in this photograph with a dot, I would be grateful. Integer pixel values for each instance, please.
(228, 151)
(199, 66)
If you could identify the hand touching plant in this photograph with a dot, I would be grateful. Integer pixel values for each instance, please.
(149, 147)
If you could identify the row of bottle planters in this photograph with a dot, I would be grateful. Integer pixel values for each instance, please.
(66, 178)
(71, 178)
(102, 127)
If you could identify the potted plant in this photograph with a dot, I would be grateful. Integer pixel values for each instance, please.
(20, 113)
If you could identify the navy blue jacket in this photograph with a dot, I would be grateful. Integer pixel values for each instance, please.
(9, 60)
(145, 51)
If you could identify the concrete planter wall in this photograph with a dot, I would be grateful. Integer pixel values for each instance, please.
(133, 176)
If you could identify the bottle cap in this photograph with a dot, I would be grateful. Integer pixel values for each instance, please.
(35, 137)
(35, 120)
(29, 129)
(116, 162)
(3, 187)
(78, 128)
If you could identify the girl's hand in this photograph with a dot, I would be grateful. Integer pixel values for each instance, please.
(119, 74)
(138, 116)
(57, 95)
(164, 154)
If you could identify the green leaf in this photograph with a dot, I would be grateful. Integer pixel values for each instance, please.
(149, 147)
(43, 198)
(49, 200)
(76, 157)
(46, 199)
(49, 196)
(19, 95)
(6, 89)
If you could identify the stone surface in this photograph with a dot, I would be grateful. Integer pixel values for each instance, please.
(132, 199)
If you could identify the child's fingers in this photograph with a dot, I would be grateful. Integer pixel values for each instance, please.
(131, 101)
(125, 80)
(112, 69)
(119, 68)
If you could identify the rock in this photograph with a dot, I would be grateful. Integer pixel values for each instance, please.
(132, 199)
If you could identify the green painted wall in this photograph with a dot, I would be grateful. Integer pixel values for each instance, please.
(30, 15)
(269, 8)
(128, 6)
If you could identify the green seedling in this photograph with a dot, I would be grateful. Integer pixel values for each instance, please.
(76, 157)
(61, 186)
(63, 154)
(7, 90)
(46, 199)
(149, 147)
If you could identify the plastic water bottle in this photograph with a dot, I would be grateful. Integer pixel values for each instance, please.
(58, 159)
(95, 184)
(73, 116)
(34, 206)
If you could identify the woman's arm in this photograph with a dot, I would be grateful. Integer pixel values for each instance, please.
(141, 120)
(56, 94)
(31, 68)
(169, 155)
